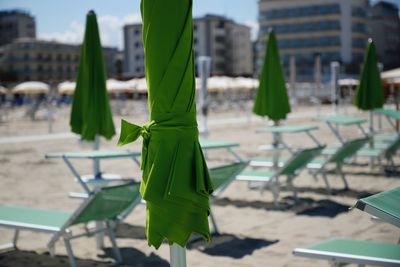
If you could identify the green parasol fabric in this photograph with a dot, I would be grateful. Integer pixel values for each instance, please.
(175, 183)
(369, 94)
(91, 114)
(272, 99)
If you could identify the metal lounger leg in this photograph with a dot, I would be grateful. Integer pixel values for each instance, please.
(111, 235)
(213, 222)
(275, 192)
(70, 253)
(291, 187)
(99, 235)
(325, 178)
(15, 238)
(342, 175)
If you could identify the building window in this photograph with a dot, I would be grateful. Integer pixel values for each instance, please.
(137, 44)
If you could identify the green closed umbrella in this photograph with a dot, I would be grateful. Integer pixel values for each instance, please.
(369, 93)
(175, 181)
(91, 115)
(272, 99)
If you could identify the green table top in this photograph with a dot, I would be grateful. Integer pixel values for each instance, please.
(341, 120)
(394, 114)
(288, 129)
(384, 205)
(95, 154)
(214, 144)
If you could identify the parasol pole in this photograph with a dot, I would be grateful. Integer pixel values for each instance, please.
(293, 79)
(335, 85)
(177, 256)
(204, 63)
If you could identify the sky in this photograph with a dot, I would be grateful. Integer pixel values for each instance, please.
(64, 20)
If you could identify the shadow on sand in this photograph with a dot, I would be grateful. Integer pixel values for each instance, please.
(303, 206)
(20, 258)
(135, 258)
(227, 245)
(125, 230)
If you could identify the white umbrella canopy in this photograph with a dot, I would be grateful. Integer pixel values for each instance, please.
(31, 88)
(219, 83)
(391, 74)
(116, 86)
(3, 90)
(141, 86)
(243, 83)
(348, 82)
(66, 88)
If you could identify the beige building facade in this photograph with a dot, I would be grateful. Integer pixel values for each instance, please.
(227, 43)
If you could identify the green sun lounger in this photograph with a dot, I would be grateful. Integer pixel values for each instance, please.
(105, 205)
(347, 150)
(384, 205)
(221, 178)
(342, 251)
(291, 169)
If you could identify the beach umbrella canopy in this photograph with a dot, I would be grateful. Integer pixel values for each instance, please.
(91, 113)
(32, 88)
(175, 181)
(272, 99)
(369, 93)
(66, 88)
(391, 74)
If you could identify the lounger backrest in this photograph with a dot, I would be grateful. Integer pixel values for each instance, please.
(223, 175)
(107, 203)
(393, 147)
(348, 149)
(299, 160)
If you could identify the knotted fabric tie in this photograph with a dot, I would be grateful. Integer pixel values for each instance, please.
(130, 132)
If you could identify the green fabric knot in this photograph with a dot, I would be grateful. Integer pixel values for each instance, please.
(130, 132)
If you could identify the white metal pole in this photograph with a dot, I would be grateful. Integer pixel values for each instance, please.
(203, 66)
(177, 256)
(335, 85)
(96, 162)
(318, 80)
(293, 79)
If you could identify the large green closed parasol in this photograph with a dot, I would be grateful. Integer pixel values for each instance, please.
(91, 115)
(369, 93)
(272, 99)
(175, 182)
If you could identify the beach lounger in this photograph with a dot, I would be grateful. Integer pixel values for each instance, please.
(290, 168)
(384, 205)
(105, 205)
(347, 150)
(221, 177)
(342, 251)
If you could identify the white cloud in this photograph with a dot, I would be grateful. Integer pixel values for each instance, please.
(111, 30)
(254, 28)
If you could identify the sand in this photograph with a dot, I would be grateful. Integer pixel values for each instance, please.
(252, 231)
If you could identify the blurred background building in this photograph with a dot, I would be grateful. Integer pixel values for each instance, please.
(384, 26)
(227, 43)
(334, 29)
(16, 24)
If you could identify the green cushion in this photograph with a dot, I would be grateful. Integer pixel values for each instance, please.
(288, 129)
(95, 154)
(223, 175)
(384, 205)
(266, 162)
(262, 176)
(353, 251)
(341, 120)
(317, 163)
(394, 114)
(51, 220)
(214, 144)
(370, 152)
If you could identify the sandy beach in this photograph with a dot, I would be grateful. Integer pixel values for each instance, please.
(253, 232)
